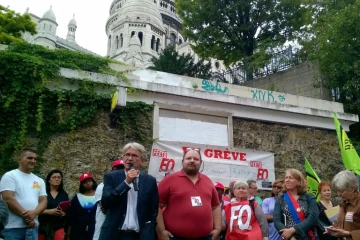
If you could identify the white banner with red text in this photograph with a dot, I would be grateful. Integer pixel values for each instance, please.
(220, 164)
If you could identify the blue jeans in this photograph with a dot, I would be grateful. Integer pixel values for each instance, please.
(20, 233)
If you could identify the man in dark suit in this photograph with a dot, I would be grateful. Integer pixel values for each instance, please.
(131, 214)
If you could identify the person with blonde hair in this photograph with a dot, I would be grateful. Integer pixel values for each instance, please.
(244, 218)
(296, 211)
(346, 185)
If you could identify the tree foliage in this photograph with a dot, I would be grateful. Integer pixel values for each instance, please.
(13, 24)
(336, 45)
(29, 110)
(238, 30)
(172, 62)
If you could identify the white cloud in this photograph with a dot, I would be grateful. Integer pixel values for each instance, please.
(90, 16)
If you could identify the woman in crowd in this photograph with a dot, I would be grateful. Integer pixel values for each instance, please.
(268, 208)
(83, 209)
(296, 212)
(348, 225)
(230, 195)
(325, 203)
(244, 218)
(52, 220)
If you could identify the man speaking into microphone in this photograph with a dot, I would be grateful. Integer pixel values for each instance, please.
(131, 199)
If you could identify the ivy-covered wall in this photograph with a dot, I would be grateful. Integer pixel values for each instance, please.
(31, 114)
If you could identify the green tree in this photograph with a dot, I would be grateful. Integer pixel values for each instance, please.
(13, 24)
(241, 30)
(172, 62)
(336, 45)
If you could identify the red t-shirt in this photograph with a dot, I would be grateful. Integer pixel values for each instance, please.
(241, 222)
(188, 207)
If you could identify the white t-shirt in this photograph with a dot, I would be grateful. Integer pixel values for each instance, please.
(100, 217)
(28, 188)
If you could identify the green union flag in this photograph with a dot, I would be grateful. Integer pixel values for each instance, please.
(349, 155)
(312, 180)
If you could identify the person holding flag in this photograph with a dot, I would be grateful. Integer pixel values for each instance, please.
(296, 212)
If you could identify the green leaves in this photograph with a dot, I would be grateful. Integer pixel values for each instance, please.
(170, 61)
(12, 25)
(233, 30)
(336, 46)
(30, 110)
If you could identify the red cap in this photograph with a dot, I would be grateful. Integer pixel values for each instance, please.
(219, 185)
(117, 163)
(85, 176)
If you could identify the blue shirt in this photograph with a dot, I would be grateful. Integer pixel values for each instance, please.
(268, 206)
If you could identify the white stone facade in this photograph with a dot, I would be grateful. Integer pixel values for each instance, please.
(154, 23)
(46, 27)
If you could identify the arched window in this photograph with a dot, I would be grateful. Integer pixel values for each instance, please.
(217, 65)
(109, 42)
(140, 35)
(44, 25)
(180, 41)
(152, 45)
(132, 33)
(157, 45)
(117, 42)
(121, 40)
(172, 39)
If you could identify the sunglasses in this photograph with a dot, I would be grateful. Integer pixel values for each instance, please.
(195, 149)
(277, 187)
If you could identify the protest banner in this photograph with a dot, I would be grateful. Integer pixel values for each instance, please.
(220, 164)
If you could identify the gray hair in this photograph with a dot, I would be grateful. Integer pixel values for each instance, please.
(240, 183)
(136, 146)
(345, 180)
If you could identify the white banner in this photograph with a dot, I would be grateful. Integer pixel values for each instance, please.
(220, 164)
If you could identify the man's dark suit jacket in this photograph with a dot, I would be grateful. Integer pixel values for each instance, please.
(114, 199)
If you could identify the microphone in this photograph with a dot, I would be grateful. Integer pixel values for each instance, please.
(136, 187)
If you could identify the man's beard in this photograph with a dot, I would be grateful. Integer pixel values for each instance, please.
(191, 171)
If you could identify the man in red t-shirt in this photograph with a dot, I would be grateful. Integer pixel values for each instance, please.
(192, 205)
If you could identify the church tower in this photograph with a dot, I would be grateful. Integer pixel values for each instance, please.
(71, 30)
(135, 31)
(47, 30)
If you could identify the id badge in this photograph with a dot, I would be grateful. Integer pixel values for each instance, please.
(196, 201)
(349, 217)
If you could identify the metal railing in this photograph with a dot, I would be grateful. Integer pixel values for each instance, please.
(241, 73)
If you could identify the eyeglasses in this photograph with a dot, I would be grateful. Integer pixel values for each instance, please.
(127, 155)
(277, 187)
(31, 158)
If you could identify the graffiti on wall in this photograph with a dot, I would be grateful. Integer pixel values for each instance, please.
(208, 86)
(269, 96)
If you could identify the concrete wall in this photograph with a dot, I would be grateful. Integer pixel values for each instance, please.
(302, 80)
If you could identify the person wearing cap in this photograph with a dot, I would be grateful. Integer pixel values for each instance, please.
(82, 210)
(192, 204)
(220, 190)
(131, 199)
(100, 211)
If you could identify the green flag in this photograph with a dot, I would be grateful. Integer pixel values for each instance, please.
(349, 155)
(312, 180)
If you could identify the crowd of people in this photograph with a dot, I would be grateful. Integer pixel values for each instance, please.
(131, 205)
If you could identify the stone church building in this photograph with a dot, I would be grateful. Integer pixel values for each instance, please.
(137, 31)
